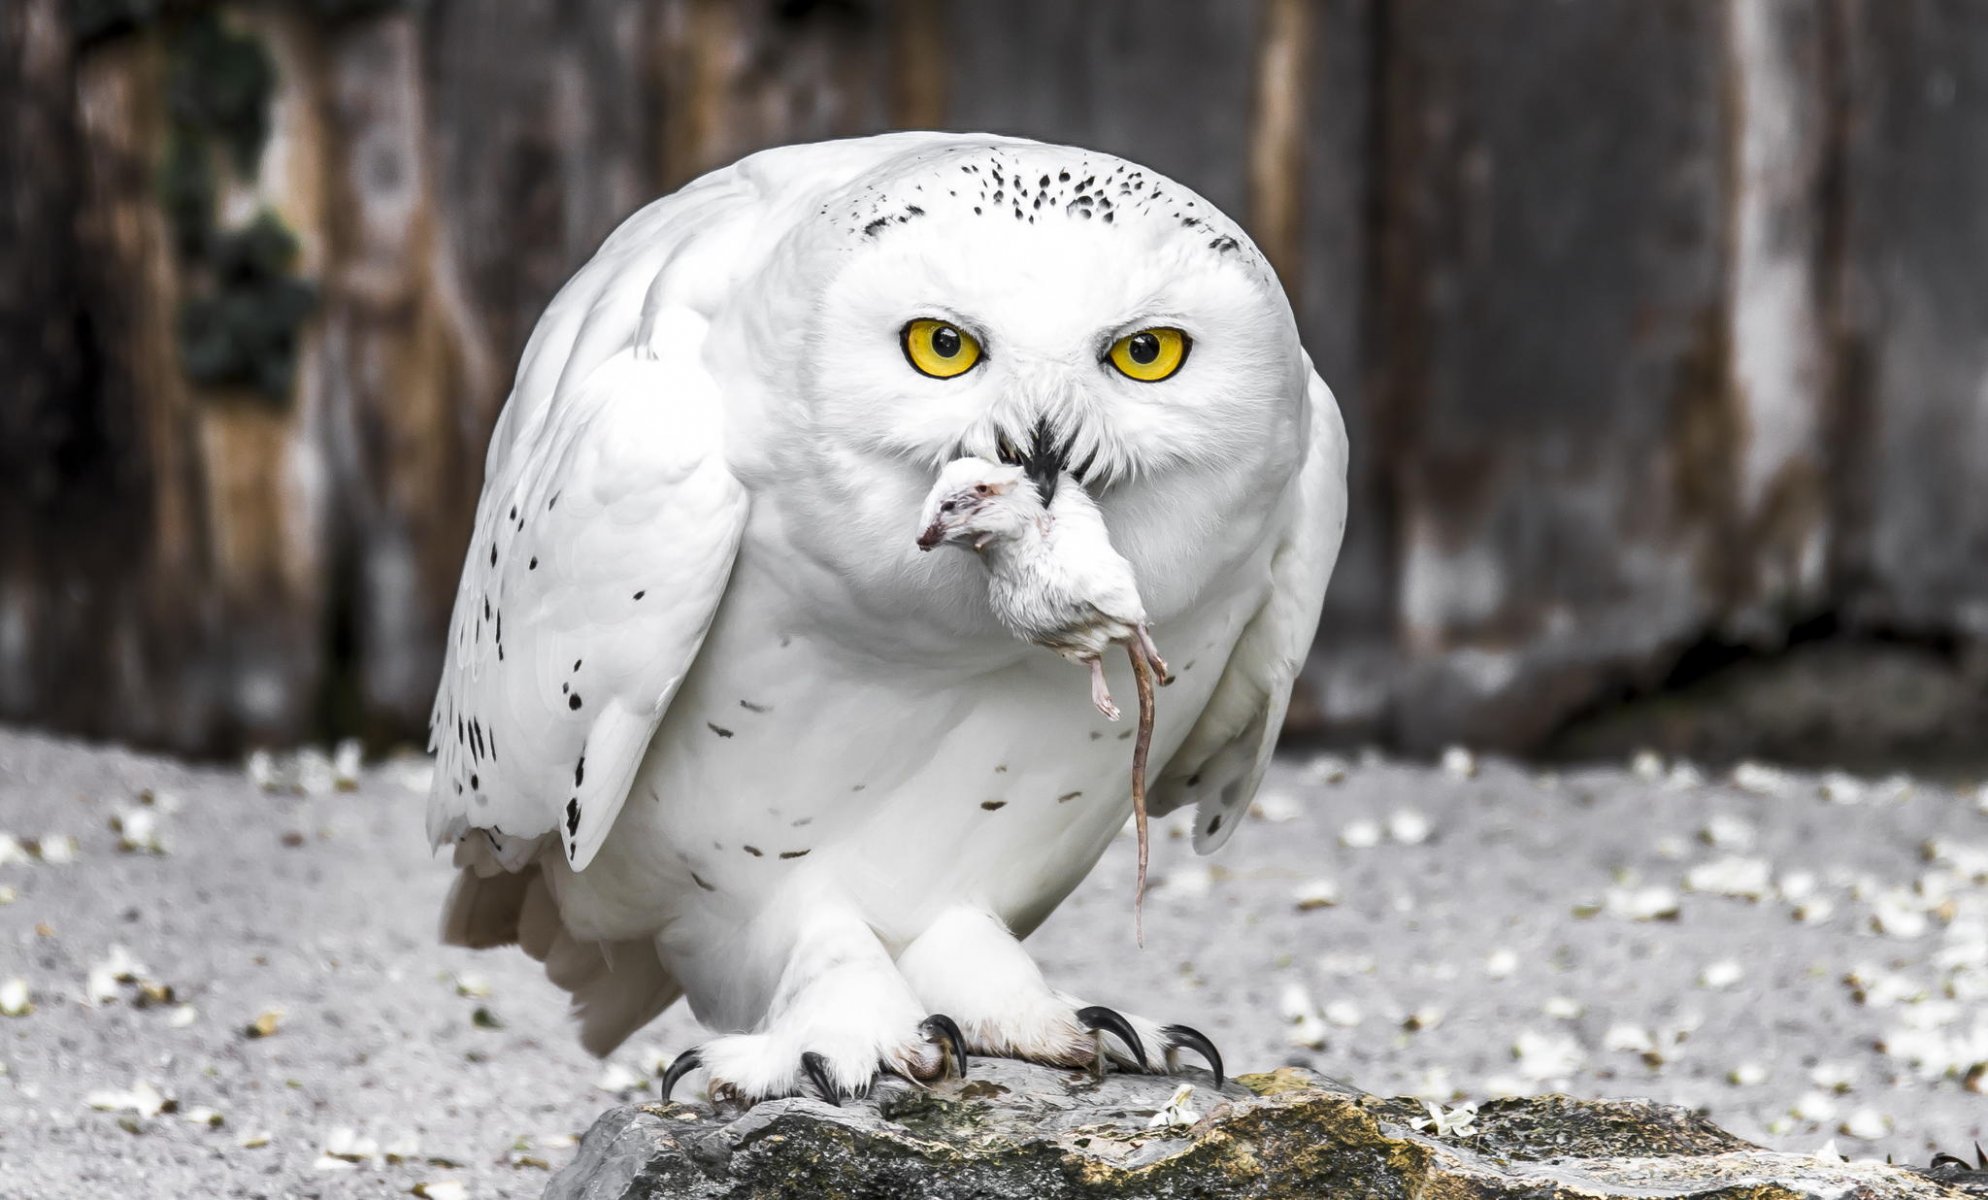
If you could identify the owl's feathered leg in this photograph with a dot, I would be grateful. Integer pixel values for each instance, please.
(841, 1014)
(968, 964)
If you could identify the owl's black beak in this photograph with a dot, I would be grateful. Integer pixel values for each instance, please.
(1045, 460)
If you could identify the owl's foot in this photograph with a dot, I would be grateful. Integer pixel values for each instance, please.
(841, 1014)
(971, 966)
(746, 1068)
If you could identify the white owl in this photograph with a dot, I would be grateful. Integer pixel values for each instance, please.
(711, 726)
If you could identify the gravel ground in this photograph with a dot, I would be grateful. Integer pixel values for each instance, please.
(1804, 957)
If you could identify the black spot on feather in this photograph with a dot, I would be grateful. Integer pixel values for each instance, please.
(871, 229)
(793, 854)
(580, 771)
(720, 730)
(573, 816)
(993, 805)
(573, 701)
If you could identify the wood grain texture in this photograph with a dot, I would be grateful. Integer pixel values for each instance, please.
(1654, 322)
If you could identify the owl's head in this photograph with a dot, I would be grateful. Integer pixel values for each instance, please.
(1047, 307)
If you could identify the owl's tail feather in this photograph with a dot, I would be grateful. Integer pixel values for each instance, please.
(617, 987)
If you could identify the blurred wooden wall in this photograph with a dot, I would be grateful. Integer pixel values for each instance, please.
(1653, 320)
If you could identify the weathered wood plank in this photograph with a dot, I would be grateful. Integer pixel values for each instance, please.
(1107, 75)
(1915, 318)
(1345, 688)
(410, 389)
(1554, 349)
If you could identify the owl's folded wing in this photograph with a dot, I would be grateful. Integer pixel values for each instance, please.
(1222, 761)
(604, 541)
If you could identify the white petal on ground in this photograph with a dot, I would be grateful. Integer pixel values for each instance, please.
(1276, 806)
(1319, 893)
(1683, 777)
(1360, 835)
(1310, 1032)
(1327, 768)
(347, 761)
(1896, 914)
(1649, 903)
(1723, 831)
(1459, 762)
(1294, 1003)
(618, 1078)
(1764, 780)
(1501, 964)
(1545, 1056)
(1866, 1124)
(1736, 876)
(138, 831)
(15, 999)
(1175, 1112)
(141, 1098)
(1721, 975)
(1747, 1075)
(1190, 882)
(1408, 827)
(1424, 1018)
(1814, 1106)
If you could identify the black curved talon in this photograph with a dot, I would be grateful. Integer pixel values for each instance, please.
(1188, 1037)
(815, 1067)
(938, 1026)
(683, 1064)
(1097, 1017)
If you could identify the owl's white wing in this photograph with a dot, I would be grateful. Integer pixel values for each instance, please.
(608, 523)
(604, 541)
(1222, 761)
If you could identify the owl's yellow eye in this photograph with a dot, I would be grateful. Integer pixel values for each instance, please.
(1150, 355)
(939, 349)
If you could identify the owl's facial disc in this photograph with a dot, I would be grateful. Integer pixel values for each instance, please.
(1048, 308)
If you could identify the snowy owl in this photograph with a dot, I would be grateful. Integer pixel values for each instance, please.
(711, 727)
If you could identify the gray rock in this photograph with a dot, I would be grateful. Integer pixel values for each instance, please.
(1015, 1130)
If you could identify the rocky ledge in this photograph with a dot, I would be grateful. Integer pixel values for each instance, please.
(1013, 1130)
